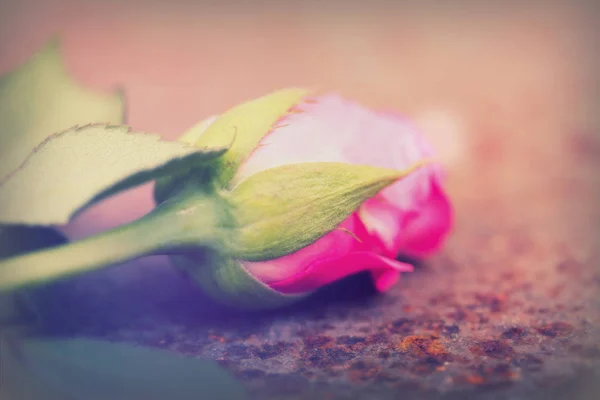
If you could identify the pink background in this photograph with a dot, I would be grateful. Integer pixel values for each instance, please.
(500, 89)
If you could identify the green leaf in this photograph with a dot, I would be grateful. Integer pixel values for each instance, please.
(77, 369)
(249, 122)
(82, 165)
(40, 98)
(283, 209)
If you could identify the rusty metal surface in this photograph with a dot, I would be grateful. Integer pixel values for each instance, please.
(509, 309)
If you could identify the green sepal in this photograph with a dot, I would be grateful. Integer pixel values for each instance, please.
(240, 129)
(226, 281)
(250, 122)
(281, 210)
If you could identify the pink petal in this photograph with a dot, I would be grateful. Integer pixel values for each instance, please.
(416, 231)
(331, 129)
(328, 270)
(425, 230)
(384, 279)
(333, 245)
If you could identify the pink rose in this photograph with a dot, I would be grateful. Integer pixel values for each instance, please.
(274, 199)
(411, 217)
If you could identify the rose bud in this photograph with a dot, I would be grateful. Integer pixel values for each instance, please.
(318, 188)
(278, 197)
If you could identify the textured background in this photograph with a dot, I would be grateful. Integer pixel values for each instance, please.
(508, 93)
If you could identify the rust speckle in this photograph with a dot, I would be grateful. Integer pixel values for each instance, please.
(427, 366)
(495, 302)
(271, 350)
(473, 379)
(327, 357)
(238, 351)
(514, 333)
(499, 375)
(450, 330)
(458, 315)
(378, 338)
(361, 371)
(466, 314)
(427, 347)
(493, 348)
(555, 329)
(402, 325)
(312, 342)
(349, 340)
(351, 343)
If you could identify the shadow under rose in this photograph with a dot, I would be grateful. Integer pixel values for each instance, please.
(149, 293)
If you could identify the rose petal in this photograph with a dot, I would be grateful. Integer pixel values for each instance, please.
(350, 236)
(424, 231)
(412, 215)
(331, 129)
(417, 231)
(328, 270)
(384, 279)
